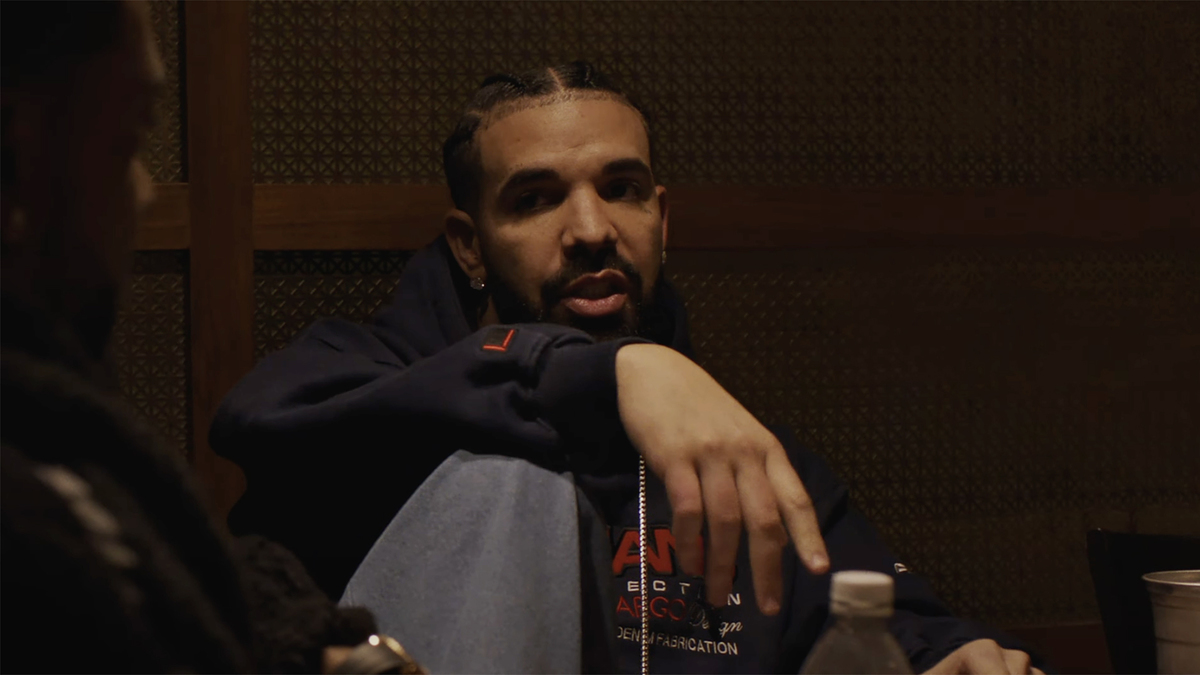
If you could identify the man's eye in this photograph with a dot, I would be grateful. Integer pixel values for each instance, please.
(624, 190)
(527, 202)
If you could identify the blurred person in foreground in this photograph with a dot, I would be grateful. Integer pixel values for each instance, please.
(111, 562)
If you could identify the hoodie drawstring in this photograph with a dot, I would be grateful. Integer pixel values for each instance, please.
(642, 547)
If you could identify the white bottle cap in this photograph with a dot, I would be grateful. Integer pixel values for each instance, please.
(857, 593)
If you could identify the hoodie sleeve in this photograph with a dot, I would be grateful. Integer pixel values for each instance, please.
(922, 624)
(337, 430)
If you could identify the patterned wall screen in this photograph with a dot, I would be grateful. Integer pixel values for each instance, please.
(150, 344)
(985, 405)
(842, 93)
(293, 288)
(165, 152)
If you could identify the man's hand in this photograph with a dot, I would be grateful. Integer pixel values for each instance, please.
(984, 657)
(718, 463)
(333, 656)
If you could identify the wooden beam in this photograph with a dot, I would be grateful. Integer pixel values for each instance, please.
(166, 224)
(771, 217)
(220, 204)
(399, 217)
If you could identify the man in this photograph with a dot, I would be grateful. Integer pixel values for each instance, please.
(111, 562)
(540, 327)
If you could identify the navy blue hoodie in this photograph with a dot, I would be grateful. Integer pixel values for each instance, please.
(337, 430)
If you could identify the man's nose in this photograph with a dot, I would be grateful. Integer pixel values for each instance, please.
(588, 222)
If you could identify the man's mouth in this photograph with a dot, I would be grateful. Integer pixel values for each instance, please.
(597, 295)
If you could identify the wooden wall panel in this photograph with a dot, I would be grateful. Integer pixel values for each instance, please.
(732, 217)
(220, 207)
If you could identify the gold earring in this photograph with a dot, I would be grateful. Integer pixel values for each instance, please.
(664, 256)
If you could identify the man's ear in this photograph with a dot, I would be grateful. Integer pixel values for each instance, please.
(464, 242)
(664, 209)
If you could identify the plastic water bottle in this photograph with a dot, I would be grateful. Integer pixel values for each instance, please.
(859, 641)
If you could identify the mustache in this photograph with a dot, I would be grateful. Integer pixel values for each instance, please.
(553, 290)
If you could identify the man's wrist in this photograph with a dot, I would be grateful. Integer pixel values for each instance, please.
(577, 396)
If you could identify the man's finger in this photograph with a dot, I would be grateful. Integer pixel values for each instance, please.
(687, 517)
(1018, 662)
(798, 513)
(765, 535)
(724, 515)
(986, 662)
(983, 657)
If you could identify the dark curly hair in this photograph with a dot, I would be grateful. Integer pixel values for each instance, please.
(41, 39)
(43, 42)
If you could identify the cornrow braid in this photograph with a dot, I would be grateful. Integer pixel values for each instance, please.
(460, 153)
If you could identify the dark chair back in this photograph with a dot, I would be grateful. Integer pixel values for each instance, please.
(1118, 561)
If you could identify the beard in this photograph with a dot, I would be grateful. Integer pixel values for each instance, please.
(640, 317)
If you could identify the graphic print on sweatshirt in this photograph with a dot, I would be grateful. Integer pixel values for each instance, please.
(679, 618)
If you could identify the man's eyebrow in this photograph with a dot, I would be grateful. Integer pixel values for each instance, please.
(627, 165)
(527, 176)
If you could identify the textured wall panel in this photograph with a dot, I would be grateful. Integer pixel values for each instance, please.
(294, 288)
(150, 344)
(164, 153)
(985, 407)
(922, 94)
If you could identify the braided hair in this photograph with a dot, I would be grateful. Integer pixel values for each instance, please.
(506, 93)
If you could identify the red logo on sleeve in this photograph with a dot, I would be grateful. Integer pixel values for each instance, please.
(497, 339)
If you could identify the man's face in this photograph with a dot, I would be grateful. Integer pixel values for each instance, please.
(80, 180)
(571, 224)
